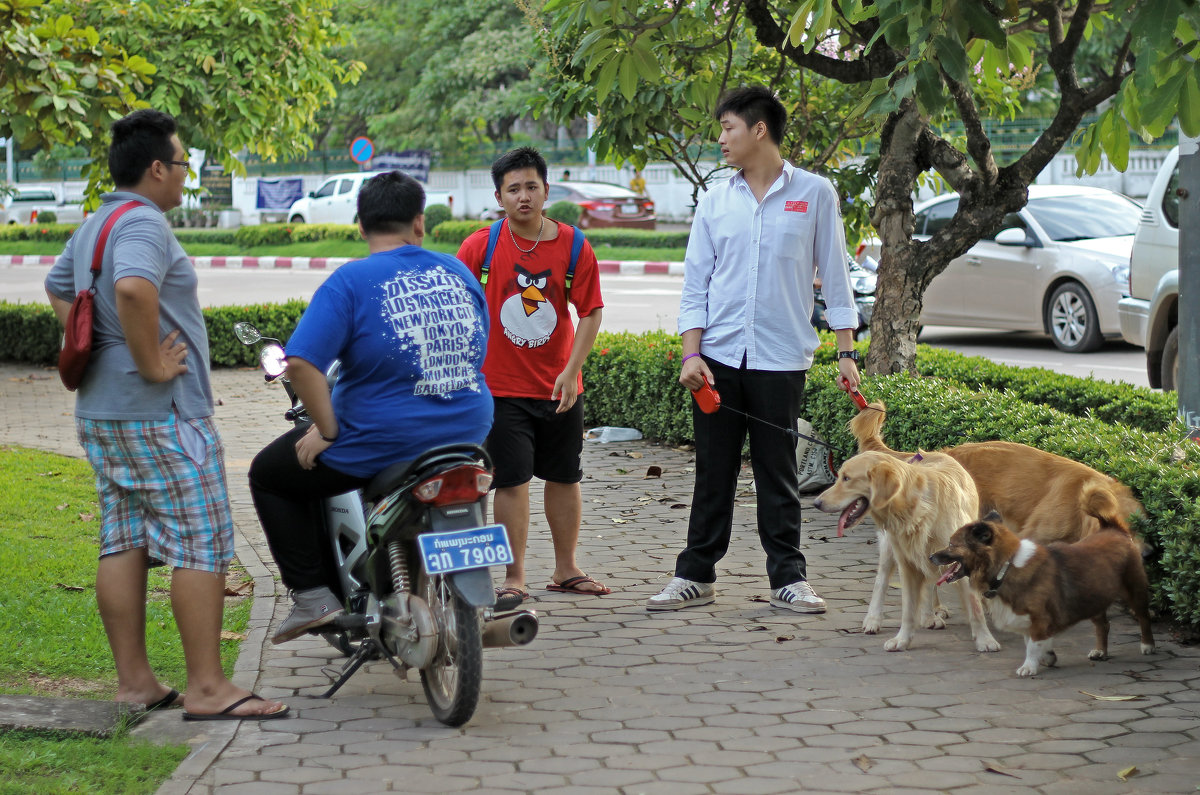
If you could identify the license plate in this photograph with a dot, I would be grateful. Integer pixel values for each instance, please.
(629, 209)
(459, 550)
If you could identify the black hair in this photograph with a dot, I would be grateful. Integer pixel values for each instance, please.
(753, 104)
(389, 202)
(137, 141)
(517, 159)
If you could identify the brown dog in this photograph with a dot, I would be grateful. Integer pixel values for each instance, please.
(918, 506)
(1039, 591)
(1037, 494)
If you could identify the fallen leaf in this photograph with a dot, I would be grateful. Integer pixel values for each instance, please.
(62, 507)
(784, 638)
(69, 587)
(634, 455)
(227, 635)
(758, 599)
(49, 474)
(653, 472)
(678, 505)
(756, 628)
(620, 521)
(1126, 773)
(243, 588)
(220, 402)
(863, 763)
(86, 517)
(622, 471)
(1110, 698)
(992, 767)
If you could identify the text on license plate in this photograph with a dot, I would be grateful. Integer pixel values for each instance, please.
(458, 550)
(629, 209)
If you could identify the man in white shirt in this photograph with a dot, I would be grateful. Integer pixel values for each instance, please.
(758, 241)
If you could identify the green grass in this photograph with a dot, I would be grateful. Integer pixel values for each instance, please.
(54, 763)
(51, 638)
(334, 248)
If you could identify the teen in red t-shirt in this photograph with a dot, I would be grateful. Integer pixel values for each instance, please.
(534, 368)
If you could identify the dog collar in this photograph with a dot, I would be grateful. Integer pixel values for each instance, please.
(994, 585)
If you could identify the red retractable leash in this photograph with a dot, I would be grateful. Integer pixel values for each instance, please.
(709, 401)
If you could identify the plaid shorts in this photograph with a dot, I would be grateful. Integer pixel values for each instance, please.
(162, 488)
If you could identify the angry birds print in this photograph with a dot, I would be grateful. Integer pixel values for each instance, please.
(527, 317)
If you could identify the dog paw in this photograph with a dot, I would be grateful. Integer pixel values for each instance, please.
(1027, 670)
(871, 625)
(1147, 648)
(897, 643)
(941, 613)
(1050, 659)
(1097, 654)
(934, 621)
(987, 644)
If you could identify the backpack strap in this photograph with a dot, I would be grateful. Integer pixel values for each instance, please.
(102, 241)
(576, 247)
(493, 238)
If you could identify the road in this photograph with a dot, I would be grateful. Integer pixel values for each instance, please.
(645, 303)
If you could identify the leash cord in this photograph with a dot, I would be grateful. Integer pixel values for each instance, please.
(794, 434)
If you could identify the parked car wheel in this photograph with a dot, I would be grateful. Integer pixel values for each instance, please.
(1072, 319)
(296, 219)
(1170, 361)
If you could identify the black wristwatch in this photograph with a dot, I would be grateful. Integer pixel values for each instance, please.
(848, 355)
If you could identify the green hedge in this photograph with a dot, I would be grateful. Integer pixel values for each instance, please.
(436, 215)
(636, 238)
(455, 232)
(29, 333)
(565, 212)
(52, 232)
(264, 235)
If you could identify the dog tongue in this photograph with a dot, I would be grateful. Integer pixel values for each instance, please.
(948, 574)
(843, 519)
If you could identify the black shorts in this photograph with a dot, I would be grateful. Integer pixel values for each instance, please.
(528, 439)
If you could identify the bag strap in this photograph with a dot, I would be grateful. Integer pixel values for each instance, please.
(102, 241)
(493, 238)
(577, 239)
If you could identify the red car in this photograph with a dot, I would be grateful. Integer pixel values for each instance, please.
(605, 204)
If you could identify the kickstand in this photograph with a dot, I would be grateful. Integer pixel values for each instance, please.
(367, 650)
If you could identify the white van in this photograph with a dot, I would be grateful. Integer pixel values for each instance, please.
(1150, 315)
(336, 201)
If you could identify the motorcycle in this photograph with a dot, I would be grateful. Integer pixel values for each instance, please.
(862, 279)
(412, 551)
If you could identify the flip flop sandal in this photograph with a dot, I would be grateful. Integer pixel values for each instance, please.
(227, 713)
(508, 597)
(571, 585)
(171, 699)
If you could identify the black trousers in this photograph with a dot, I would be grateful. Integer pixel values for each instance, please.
(767, 395)
(288, 500)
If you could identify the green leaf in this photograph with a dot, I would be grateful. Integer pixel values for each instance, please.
(608, 73)
(628, 77)
(929, 88)
(1161, 106)
(645, 61)
(953, 58)
(800, 23)
(982, 22)
(1189, 105)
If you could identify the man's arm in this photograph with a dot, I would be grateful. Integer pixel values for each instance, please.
(566, 386)
(137, 309)
(61, 308)
(312, 389)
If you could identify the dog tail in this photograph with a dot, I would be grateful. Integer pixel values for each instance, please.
(866, 426)
(1099, 502)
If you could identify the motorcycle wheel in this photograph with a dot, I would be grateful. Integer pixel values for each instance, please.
(453, 680)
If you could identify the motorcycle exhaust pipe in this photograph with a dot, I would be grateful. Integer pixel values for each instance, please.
(517, 628)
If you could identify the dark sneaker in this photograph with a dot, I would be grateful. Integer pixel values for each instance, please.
(314, 608)
(682, 593)
(798, 596)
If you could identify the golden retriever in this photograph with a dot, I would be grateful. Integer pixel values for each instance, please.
(1039, 590)
(918, 505)
(1038, 495)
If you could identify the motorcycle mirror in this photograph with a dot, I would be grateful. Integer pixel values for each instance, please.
(274, 360)
(246, 332)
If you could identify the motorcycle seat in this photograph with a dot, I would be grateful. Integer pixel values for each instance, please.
(428, 463)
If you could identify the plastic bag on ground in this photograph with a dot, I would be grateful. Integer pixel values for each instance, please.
(609, 433)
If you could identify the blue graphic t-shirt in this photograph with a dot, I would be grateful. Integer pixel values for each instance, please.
(410, 328)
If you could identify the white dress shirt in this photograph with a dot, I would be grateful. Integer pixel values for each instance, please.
(750, 265)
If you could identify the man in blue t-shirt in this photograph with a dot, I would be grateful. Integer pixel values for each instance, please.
(410, 329)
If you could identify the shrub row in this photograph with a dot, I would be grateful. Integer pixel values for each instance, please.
(50, 232)
(455, 232)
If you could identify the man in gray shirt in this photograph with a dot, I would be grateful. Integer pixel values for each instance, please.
(144, 417)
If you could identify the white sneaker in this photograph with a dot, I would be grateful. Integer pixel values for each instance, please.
(798, 596)
(682, 593)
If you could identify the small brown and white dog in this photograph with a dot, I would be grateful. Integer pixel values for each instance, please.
(1040, 590)
(1037, 494)
(918, 505)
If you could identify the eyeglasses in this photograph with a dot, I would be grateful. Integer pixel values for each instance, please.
(183, 163)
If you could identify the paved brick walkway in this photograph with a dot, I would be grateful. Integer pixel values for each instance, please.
(733, 697)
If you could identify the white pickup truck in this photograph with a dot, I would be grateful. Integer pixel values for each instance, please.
(24, 206)
(1150, 315)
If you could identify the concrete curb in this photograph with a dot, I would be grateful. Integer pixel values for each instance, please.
(624, 268)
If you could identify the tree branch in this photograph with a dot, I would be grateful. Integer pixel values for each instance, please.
(879, 62)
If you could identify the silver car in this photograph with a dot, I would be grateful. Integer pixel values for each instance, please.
(1058, 265)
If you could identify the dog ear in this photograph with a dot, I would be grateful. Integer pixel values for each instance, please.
(980, 533)
(885, 484)
(994, 516)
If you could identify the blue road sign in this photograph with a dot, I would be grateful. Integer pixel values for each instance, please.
(361, 149)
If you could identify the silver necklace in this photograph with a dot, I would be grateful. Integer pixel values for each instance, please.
(535, 243)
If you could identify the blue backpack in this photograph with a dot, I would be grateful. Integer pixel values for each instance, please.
(494, 236)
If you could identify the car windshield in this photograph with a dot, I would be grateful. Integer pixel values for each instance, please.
(1068, 218)
(602, 190)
